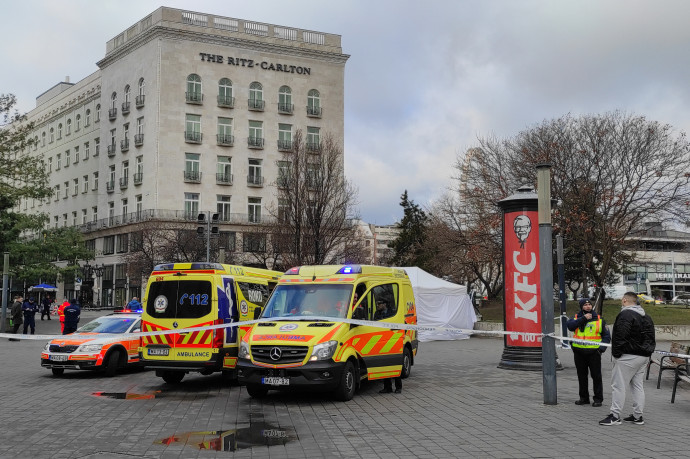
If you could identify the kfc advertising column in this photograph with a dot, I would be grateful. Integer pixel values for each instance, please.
(521, 303)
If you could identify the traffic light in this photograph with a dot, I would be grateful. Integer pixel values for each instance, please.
(214, 221)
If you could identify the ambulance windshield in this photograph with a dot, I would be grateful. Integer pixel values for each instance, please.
(325, 300)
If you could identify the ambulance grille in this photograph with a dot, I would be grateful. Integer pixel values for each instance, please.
(288, 354)
(69, 349)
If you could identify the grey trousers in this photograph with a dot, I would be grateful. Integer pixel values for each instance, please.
(628, 371)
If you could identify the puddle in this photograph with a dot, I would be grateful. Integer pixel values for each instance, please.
(257, 434)
(126, 395)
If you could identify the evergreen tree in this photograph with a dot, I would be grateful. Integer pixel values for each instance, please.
(408, 247)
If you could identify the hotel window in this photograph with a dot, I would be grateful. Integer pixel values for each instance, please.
(85, 184)
(125, 128)
(52, 135)
(282, 210)
(256, 133)
(50, 165)
(223, 207)
(64, 220)
(98, 112)
(113, 101)
(193, 128)
(97, 146)
(122, 245)
(84, 216)
(141, 92)
(191, 205)
(108, 245)
(77, 123)
(111, 212)
(58, 162)
(68, 129)
(111, 174)
(66, 190)
(256, 96)
(253, 242)
(55, 220)
(86, 150)
(127, 93)
(194, 88)
(254, 210)
(283, 173)
(225, 131)
(124, 208)
(125, 171)
(95, 181)
(313, 103)
(191, 166)
(285, 99)
(113, 136)
(284, 136)
(43, 139)
(313, 138)
(139, 205)
(59, 131)
(139, 169)
(87, 119)
(225, 93)
(67, 158)
(254, 176)
(94, 212)
(75, 190)
(224, 169)
(74, 218)
(76, 154)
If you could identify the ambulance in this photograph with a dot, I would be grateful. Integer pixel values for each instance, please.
(303, 344)
(196, 295)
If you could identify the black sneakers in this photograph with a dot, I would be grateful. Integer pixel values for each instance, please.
(610, 420)
(639, 421)
(582, 402)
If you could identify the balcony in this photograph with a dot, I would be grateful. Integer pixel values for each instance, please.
(124, 182)
(138, 140)
(192, 137)
(255, 142)
(112, 114)
(314, 112)
(125, 107)
(112, 148)
(223, 179)
(255, 180)
(285, 145)
(313, 147)
(139, 100)
(138, 178)
(192, 176)
(286, 109)
(110, 186)
(256, 105)
(194, 98)
(226, 101)
(226, 140)
(124, 145)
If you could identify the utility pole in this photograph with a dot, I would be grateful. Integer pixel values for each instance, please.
(5, 290)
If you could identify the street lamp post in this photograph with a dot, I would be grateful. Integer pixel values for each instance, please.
(673, 275)
(98, 271)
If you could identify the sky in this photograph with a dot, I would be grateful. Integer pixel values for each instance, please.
(424, 80)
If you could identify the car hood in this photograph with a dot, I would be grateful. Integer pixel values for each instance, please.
(98, 338)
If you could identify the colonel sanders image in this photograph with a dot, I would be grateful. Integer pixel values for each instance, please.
(522, 227)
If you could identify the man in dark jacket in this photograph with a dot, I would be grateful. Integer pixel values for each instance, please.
(30, 308)
(633, 342)
(72, 313)
(591, 328)
(46, 307)
(16, 315)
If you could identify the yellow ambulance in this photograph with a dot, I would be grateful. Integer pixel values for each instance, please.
(303, 343)
(185, 295)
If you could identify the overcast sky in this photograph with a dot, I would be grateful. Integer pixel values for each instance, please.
(424, 79)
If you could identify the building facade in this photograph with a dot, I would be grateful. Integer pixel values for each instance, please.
(188, 113)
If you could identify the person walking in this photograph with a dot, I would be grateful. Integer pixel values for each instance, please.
(45, 311)
(30, 308)
(72, 313)
(16, 315)
(588, 326)
(134, 304)
(633, 342)
(61, 315)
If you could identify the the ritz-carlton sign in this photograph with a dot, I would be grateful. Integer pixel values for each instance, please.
(250, 63)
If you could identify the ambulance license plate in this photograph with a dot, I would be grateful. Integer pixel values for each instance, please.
(58, 358)
(159, 351)
(275, 381)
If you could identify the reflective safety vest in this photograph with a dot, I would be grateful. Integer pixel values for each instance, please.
(591, 333)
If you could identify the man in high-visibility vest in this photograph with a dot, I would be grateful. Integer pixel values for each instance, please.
(591, 328)
(61, 314)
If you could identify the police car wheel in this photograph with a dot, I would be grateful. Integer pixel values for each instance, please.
(407, 363)
(347, 387)
(112, 364)
(173, 377)
(257, 390)
(58, 371)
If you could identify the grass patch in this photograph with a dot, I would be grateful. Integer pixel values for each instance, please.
(661, 314)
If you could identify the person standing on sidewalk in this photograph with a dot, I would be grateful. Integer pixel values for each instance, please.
(72, 313)
(30, 308)
(588, 326)
(61, 315)
(16, 315)
(633, 342)
(46, 307)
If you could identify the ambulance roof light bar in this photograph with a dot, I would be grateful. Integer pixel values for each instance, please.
(350, 269)
(292, 271)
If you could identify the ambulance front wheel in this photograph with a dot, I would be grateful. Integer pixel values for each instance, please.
(407, 363)
(257, 390)
(173, 377)
(347, 387)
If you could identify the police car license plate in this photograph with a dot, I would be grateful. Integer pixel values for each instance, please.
(163, 351)
(275, 381)
(58, 358)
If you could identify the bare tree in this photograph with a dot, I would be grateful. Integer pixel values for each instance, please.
(315, 204)
(610, 173)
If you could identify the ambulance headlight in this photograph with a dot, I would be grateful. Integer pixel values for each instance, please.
(243, 353)
(89, 348)
(324, 351)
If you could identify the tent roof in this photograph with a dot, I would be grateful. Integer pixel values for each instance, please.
(422, 281)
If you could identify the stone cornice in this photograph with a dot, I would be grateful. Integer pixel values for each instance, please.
(214, 39)
(79, 98)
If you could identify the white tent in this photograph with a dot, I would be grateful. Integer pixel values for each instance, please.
(440, 304)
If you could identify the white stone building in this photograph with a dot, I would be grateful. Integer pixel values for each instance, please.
(188, 113)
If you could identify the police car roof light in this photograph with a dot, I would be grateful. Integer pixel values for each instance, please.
(350, 269)
(293, 271)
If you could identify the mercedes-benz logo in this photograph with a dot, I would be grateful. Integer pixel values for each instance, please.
(175, 324)
(275, 353)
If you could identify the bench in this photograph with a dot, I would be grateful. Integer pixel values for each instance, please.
(681, 375)
(667, 362)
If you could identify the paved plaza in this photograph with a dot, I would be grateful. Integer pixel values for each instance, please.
(455, 404)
